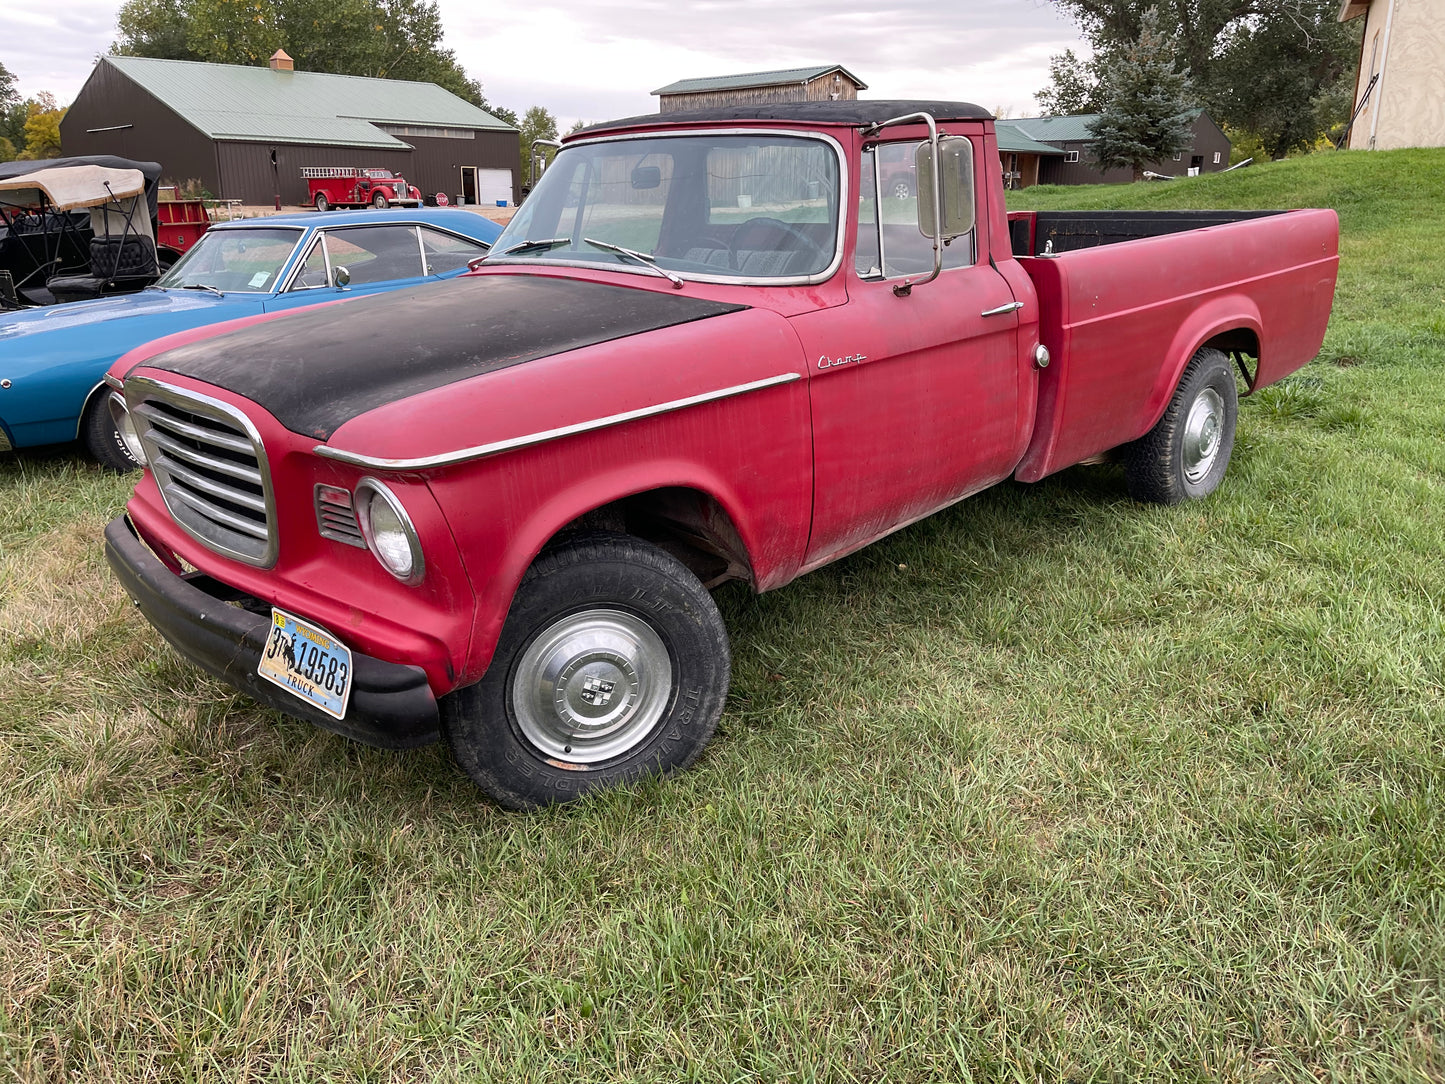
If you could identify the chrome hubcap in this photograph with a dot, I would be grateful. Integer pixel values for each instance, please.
(592, 686)
(1203, 429)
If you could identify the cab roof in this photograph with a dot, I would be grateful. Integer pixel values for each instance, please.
(850, 114)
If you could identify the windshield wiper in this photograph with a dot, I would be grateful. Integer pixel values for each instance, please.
(641, 257)
(551, 242)
(202, 286)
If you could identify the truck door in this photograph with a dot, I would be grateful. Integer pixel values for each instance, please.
(915, 397)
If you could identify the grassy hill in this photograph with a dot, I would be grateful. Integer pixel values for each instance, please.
(1050, 786)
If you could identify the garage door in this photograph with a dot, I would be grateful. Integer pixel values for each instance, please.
(492, 185)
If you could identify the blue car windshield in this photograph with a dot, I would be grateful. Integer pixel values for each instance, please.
(234, 261)
(718, 206)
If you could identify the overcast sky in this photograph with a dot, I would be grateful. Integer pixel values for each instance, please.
(599, 59)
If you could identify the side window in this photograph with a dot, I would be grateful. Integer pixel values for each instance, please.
(448, 252)
(889, 239)
(313, 272)
(866, 258)
(375, 253)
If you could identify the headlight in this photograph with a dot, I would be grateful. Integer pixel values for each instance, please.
(388, 531)
(125, 426)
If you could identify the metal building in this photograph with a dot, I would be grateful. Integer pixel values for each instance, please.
(1208, 150)
(245, 133)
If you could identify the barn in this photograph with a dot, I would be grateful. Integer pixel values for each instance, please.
(826, 82)
(245, 133)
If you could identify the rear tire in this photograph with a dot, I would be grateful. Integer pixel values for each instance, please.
(613, 665)
(101, 438)
(321, 203)
(1185, 455)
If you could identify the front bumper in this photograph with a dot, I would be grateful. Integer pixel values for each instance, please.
(391, 704)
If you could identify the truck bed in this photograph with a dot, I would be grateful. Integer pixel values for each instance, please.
(1127, 298)
(1032, 233)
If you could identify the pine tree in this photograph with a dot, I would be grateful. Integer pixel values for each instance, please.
(1147, 114)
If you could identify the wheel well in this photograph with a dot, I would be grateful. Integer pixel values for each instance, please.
(687, 523)
(100, 389)
(1239, 343)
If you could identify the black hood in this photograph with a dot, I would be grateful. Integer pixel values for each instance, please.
(316, 370)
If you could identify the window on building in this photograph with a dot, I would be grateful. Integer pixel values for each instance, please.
(1071, 157)
(1216, 158)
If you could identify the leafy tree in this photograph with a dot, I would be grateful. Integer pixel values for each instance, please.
(7, 150)
(42, 128)
(1261, 66)
(537, 123)
(1146, 116)
(392, 39)
(1075, 86)
(12, 113)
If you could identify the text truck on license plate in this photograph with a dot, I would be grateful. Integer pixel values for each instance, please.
(307, 660)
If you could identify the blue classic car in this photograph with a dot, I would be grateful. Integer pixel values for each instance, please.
(52, 360)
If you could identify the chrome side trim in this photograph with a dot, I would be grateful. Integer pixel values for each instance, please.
(481, 451)
(114, 381)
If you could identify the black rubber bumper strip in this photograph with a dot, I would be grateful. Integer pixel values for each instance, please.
(391, 706)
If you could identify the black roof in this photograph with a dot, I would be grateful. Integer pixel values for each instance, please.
(854, 114)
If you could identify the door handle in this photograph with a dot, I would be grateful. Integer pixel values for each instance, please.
(1003, 310)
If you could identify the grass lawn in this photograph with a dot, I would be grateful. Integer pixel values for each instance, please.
(1050, 786)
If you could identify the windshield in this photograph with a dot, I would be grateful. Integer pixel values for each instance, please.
(245, 261)
(714, 206)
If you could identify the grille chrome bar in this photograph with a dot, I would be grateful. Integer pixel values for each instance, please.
(210, 467)
(181, 451)
(200, 504)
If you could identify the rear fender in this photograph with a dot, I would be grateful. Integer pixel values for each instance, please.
(1234, 312)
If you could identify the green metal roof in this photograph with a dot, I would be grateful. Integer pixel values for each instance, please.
(1074, 129)
(230, 101)
(784, 77)
(1012, 140)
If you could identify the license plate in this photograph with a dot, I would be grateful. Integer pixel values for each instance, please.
(307, 660)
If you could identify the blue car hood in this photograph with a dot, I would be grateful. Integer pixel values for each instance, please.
(14, 325)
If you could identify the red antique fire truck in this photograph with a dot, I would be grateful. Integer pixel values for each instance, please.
(347, 186)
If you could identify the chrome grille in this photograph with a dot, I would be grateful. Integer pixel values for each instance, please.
(210, 467)
(335, 516)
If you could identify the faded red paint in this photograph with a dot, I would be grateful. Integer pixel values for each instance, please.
(904, 405)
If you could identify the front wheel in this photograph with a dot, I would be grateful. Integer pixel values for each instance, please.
(379, 201)
(1185, 455)
(613, 665)
(101, 437)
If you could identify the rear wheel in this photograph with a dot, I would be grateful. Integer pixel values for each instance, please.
(1185, 455)
(321, 203)
(379, 201)
(613, 665)
(102, 439)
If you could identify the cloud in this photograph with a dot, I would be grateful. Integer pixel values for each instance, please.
(598, 59)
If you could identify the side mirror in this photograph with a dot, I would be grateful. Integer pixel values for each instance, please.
(340, 277)
(647, 177)
(954, 176)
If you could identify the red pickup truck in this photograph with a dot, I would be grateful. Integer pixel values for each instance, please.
(711, 346)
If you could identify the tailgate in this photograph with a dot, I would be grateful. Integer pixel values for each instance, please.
(1122, 321)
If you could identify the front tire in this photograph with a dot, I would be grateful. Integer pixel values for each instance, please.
(101, 438)
(379, 201)
(613, 665)
(1185, 455)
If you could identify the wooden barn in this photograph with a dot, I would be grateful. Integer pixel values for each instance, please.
(831, 82)
(246, 132)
